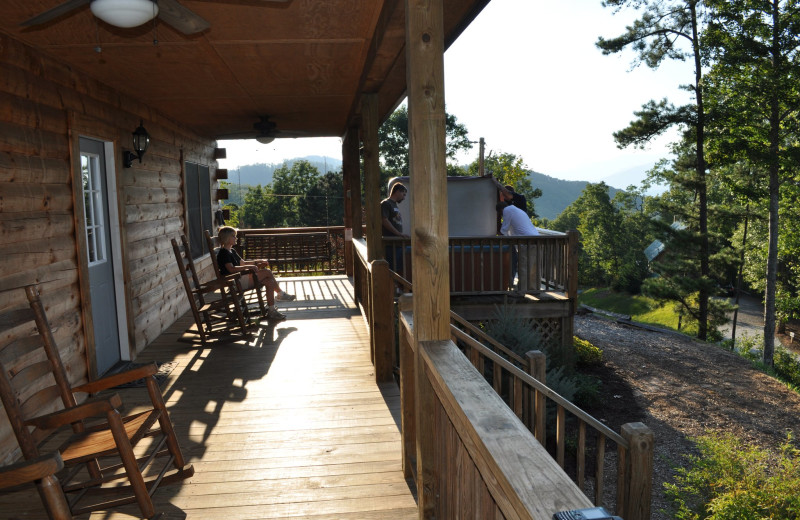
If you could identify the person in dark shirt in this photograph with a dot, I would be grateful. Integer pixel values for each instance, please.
(230, 262)
(392, 225)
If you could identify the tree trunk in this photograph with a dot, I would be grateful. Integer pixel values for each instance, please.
(702, 325)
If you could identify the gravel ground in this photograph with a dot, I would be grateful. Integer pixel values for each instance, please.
(681, 388)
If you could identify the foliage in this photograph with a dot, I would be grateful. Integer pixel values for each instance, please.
(613, 236)
(732, 479)
(393, 144)
(509, 169)
(587, 353)
(754, 93)
(669, 30)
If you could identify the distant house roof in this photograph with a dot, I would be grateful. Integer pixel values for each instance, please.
(652, 251)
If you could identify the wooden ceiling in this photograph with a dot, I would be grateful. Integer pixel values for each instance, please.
(304, 63)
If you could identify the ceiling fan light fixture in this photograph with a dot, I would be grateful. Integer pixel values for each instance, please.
(265, 139)
(124, 13)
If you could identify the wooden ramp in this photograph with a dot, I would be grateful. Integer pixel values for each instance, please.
(288, 424)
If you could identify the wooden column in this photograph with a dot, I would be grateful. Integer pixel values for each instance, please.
(428, 223)
(382, 324)
(351, 169)
(634, 485)
(372, 175)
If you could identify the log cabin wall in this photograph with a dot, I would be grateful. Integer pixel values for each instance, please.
(44, 106)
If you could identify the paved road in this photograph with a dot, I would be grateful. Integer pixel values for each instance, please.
(749, 321)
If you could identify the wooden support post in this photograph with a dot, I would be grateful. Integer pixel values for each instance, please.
(351, 168)
(635, 485)
(383, 320)
(407, 397)
(372, 175)
(537, 363)
(428, 223)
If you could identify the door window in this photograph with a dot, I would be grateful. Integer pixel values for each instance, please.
(93, 208)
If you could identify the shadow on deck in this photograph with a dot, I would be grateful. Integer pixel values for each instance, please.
(287, 424)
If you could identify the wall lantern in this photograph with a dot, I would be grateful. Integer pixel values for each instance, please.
(141, 140)
(124, 13)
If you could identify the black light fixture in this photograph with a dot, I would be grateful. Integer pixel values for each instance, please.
(141, 140)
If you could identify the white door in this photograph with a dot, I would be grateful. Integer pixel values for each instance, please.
(101, 266)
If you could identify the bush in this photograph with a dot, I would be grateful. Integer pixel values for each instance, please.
(587, 353)
(731, 480)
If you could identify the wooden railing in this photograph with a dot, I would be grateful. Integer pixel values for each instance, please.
(520, 382)
(296, 251)
(491, 385)
(483, 265)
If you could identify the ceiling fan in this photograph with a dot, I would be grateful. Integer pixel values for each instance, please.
(132, 13)
(265, 132)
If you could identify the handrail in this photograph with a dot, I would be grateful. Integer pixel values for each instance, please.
(541, 387)
(472, 328)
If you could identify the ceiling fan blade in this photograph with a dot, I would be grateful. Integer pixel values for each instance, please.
(181, 18)
(54, 13)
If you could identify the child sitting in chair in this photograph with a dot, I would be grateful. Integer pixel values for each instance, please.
(230, 262)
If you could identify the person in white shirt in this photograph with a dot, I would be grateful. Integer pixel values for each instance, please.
(516, 223)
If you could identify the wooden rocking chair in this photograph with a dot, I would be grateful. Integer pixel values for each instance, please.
(235, 277)
(207, 307)
(41, 471)
(98, 451)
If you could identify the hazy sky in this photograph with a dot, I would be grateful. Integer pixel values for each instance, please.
(527, 77)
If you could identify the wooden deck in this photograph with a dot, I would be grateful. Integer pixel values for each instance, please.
(290, 424)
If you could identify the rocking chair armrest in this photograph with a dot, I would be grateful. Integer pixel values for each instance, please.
(213, 285)
(27, 471)
(105, 383)
(94, 407)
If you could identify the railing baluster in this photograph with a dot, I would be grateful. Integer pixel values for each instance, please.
(561, 428)
(517, 396)
(581, 455)
(600, 464)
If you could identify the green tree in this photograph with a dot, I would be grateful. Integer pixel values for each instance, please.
(510, 169)
(324, 202)
(289, 188)
(254, 213)
(670, 29)
(393, 143)
(754, 80)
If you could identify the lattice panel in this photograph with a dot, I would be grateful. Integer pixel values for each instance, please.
(549, 329)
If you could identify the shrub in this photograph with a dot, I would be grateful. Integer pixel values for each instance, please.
(587, 353)
(731, 480)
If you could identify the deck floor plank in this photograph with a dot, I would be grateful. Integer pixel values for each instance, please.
(286, 423)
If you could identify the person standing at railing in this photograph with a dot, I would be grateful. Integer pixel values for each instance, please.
(516, 223)
(392, 225)
(230, 262)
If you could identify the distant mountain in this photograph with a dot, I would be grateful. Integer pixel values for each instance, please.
(254, 174)
(557, 194)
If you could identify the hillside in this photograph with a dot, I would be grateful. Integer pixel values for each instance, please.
(254, 174)
(557, 194)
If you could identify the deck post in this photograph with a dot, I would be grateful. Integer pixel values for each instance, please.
(407, 391)
(372, 175)
(429, 227)
(351, 168)
(634, 485)
(382, 301)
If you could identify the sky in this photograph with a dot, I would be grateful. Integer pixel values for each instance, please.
(527, 77)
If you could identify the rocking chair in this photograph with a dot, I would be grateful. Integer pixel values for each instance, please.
(208, 307)
(33, 379)
(257, 285)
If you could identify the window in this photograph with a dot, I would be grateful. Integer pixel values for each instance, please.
(198, 201)
(94, 209)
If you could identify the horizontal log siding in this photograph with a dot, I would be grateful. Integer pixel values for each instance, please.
(39, 97)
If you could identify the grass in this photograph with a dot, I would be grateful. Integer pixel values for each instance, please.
(640, 308)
